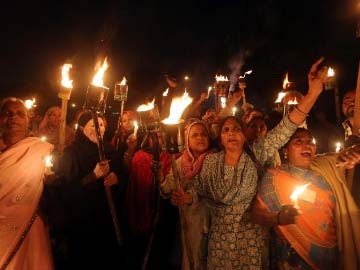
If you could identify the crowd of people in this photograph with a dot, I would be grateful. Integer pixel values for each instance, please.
(224, 201)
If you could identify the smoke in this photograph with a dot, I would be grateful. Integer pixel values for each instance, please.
(235, 64)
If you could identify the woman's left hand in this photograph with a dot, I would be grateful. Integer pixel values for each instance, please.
(111, 179)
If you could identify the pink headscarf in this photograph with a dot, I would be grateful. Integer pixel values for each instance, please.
(189, 165)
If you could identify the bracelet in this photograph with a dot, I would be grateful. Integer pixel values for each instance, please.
(300, 111)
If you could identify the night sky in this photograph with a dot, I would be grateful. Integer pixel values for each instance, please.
(144, 40)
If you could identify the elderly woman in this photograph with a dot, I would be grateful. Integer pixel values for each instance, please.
(49, 128)
(193, 217)
(320, 229)
(24, 238)
(83, 178)
(228, 183)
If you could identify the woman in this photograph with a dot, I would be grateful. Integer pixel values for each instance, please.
(193, 217)
(91, 234)
(49, 128)
(228, 182)
(322, 226)
(25, 242)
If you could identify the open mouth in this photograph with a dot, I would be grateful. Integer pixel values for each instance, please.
(306, 154)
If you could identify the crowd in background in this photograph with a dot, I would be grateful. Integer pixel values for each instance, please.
(224, 203)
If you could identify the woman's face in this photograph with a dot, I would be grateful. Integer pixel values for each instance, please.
(127, 122)
(301, 149)
(89, 130)
(198, 140)
(55, 118)
(256, 130)
(232, 137)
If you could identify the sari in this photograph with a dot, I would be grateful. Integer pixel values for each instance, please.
(25, 243)
(311, 242)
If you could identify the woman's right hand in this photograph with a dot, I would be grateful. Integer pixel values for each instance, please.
(287, 215)
(102, 168)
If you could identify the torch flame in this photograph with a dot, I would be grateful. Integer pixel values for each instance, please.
(293, 102)
(123, 82)
(166, 92)
(246, 73)
(178, 105)
(30, 103)
(280, 97)
(223, 102)
(146, 107)
(298, 191)
(98, 78)
(331, 72)
(66, 82)
(221, 78)
(286, 82)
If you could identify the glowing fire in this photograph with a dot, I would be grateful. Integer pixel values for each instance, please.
(246, 73)
(48, 161)
(178, 105)
(281, 95)
(30, 103)
(331, 72)
(221, 78)
(65, 81)
(286, 82)
(146, 107)
(166, 92)
(338, 147)
(223, 102)
(297, 192)
(136, 127)
(123, 82)
(43, 138)
(209, 91)
(233, 110)
(98, 78)
(293, 102)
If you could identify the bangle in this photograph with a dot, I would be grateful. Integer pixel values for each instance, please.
(300, 111)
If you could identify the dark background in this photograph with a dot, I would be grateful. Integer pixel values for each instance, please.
(145, 40)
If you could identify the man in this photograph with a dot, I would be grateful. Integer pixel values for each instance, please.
(342, 132)
(342, 135)
(24, 241)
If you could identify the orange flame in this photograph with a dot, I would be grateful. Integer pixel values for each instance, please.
(48, 161)
(136, 127)
(30, 103)
(281, 95)
(246, 73)
(178, 105)
(221, 78)
(123, 82)
(98, 78)
(331, 72)
(293, 102)
(297, 192)
(286, 82)
(146, 107)
(66, 82)
(166, 92)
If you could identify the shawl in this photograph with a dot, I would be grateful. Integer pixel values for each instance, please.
(347, 212)
(22, 169)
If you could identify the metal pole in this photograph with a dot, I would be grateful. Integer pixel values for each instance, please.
(108, 192)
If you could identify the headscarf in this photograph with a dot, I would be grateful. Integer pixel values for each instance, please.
(189, 165)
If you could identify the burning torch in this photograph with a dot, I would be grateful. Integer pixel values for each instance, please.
(120, 94)
(64, 94)
(221, 87)
(96, 103)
